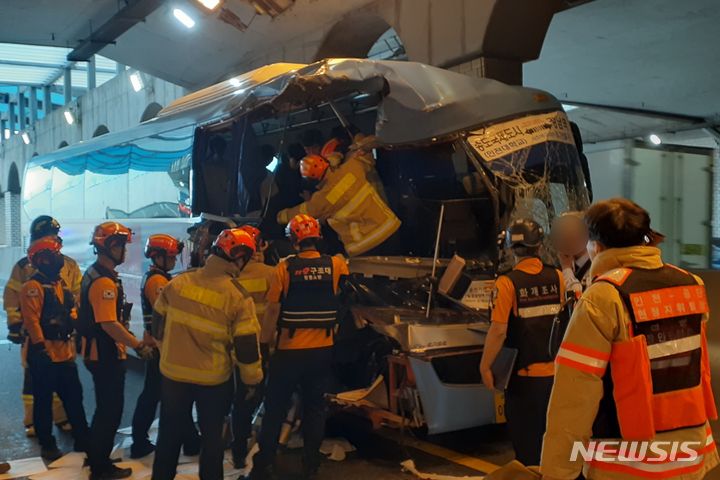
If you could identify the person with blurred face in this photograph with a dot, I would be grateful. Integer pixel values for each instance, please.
(569, 236)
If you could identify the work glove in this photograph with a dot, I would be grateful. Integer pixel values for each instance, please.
(145, 352)
(15, 334)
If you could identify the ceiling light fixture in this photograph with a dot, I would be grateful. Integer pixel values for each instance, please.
(25, 138)
(234, 82)
(183, 18)
(7, 134)
(210, 4)
(136, 81)
(655, 139)
(69, 117)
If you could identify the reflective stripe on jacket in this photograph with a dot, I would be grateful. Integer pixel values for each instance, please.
(22, 272)
(256, 278)
(351, 206)
(538, 299)
(599, 322)
(204, 310)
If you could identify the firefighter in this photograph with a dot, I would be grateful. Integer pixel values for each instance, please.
(199, 318)
(103, 324)
(302, 309)
(22, 271)
(162, 250)
(525, 302)
(569, 236)
(348, 202)
(256, 278)
(633, 364)
(49, 314)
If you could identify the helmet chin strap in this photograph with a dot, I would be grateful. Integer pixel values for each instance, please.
(108, 253)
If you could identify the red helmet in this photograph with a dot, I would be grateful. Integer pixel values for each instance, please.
(44, 244)
(110, 231)
(313, 166)
(302, 227)
(254, 232)
(163, 244)
(235, 243)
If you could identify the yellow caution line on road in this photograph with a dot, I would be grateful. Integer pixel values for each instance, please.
(441, 452)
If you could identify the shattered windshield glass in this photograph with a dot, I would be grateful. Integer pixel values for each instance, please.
(536, 165)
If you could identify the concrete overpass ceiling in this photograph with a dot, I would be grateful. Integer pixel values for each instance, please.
(51, 22)
(655, 55)
(213, 50)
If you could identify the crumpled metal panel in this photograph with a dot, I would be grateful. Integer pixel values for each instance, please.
(436, 102)
(419, 102)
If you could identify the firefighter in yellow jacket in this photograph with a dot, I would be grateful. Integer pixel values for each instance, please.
(199, 318)
(348, 202)
(633, 367)
(255, 278)
(42, 226)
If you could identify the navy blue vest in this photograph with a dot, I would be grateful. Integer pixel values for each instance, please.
(55, 319)
(310, 301)
(538, 301)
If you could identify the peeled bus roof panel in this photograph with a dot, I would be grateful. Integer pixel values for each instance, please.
(419, 102)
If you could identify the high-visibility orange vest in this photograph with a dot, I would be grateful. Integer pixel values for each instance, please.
(659, 379)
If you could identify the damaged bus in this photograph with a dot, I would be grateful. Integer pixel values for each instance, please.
(458, 158)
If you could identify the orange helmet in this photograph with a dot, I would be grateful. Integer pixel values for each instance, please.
(108, 232)
(313, 166)
(302, 227)
(254, 232)
(163, 244)
(235, 243)
(44, 244)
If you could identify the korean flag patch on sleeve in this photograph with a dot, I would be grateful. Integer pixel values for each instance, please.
(33, 292)
(108, 294)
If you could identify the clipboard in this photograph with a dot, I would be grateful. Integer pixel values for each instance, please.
(503, 367)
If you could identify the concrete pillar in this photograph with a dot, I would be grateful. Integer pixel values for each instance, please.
(120, 68)
(47, 100)
(3, 238)
(67, 86)
(33, 105)
(3, 126)
(11, 116)
(13, 234)
(21, 110)
(505, 70)
(715, 260)
(91, 73)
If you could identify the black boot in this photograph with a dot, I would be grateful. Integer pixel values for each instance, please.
(239, 454)
(113, 473)
(141, 449)
(50, 453)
